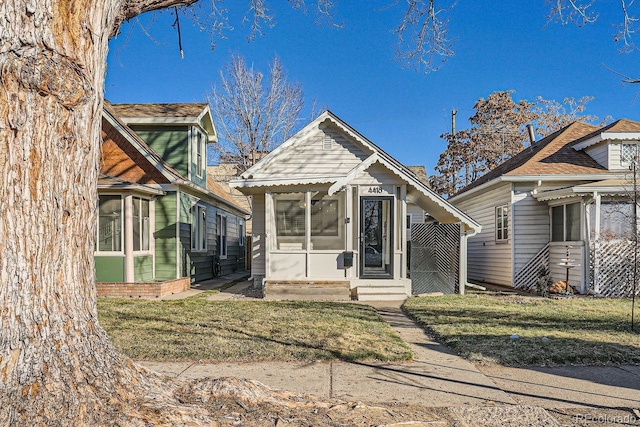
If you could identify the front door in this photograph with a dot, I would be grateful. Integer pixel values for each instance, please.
(376, 237)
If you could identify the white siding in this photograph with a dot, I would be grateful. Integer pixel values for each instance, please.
(308, 157)
(530, 225)
(258, 236)
(599, 153)
(614, 156)
(489, 261)
(377, 175)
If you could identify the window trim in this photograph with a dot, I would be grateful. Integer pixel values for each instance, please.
(97, 251)
(199, 213)
(564, 221)
(150, 229)
(220, 219)
(627, 163)
(504, 214)
(199, 150)
(241, 232)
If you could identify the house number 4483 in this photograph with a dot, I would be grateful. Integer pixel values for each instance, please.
(376, 190)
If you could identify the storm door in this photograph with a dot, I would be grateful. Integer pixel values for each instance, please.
(376, 237)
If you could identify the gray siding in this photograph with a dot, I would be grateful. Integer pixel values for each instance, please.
(530, 225)
(199, 264)
(600, 153)
(489, 261)
(309, 157)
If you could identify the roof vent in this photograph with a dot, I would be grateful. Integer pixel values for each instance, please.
(327, 142)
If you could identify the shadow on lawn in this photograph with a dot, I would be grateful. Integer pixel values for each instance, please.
(532, 347)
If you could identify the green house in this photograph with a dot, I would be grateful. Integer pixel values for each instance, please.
(162, 223)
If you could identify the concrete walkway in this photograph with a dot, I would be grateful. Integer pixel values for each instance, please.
(436, 377)
(216, 283)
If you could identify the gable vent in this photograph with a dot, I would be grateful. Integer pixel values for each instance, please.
(327, 142)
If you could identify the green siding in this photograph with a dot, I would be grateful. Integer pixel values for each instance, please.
(143, 268)
(165, 237)
(109, 268)
(170, 142)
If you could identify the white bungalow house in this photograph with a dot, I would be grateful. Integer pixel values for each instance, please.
(330, 211)
(570, 191)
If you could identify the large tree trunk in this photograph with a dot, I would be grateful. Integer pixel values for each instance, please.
(57, 366)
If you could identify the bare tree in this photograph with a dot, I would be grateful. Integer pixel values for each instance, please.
(499, 131)
(253, 114)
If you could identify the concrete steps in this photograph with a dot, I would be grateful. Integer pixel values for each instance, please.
(338, 290)
(380, 293)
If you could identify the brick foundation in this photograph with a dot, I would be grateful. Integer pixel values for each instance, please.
(143, 289)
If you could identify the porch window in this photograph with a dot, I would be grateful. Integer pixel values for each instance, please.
(198, 228)
(290, 220)
(240, 233)
(502, 223)
(141, 226)
(221, 237)
(327, 215)
(616, 220)
(110, 236)
(566, 223)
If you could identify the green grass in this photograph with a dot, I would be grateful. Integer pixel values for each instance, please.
(195, 329)
(580, 331)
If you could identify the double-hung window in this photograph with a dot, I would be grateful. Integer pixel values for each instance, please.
(199, 150)
(502, 223)
(141, 226)
(199, 228)
(221, 237)
(110, 237)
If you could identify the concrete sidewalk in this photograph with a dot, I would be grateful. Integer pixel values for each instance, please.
(436, 377)
(232, 292)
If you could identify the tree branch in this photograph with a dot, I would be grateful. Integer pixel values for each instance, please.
(133, 8)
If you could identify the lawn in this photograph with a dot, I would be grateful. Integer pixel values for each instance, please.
(580, 331)
(195, 329)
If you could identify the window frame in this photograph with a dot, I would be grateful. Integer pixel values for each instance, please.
(501, 212)
(199, 240)
(199, 150)
(141, 240)
(627, 162)
(97, 250)
(222, 239)
(241, 232)
(565, 223)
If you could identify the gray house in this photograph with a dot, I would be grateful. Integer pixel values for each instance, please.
(330, 210)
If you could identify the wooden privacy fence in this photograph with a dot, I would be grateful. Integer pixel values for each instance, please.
(612, 267)
(435, 258)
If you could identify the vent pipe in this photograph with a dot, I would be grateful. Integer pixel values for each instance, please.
(532, 134)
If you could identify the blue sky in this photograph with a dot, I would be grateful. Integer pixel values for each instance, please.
(499, 45)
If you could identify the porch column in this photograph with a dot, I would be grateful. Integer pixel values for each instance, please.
(349, 222)
(152, 233)
(307, 232)
(462, 269)
(596, 244)
(268, 229)
(129, 275)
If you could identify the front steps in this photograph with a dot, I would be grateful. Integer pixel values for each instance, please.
(380, 293)
(311, 290)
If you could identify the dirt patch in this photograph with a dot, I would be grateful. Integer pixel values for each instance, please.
(234, 413)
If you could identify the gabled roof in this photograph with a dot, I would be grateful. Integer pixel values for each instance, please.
(552, 155)
(145, 154)
(422, 195)
(168, 114)
(619, 130)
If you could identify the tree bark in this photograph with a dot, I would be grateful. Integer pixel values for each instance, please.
(57, 366)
